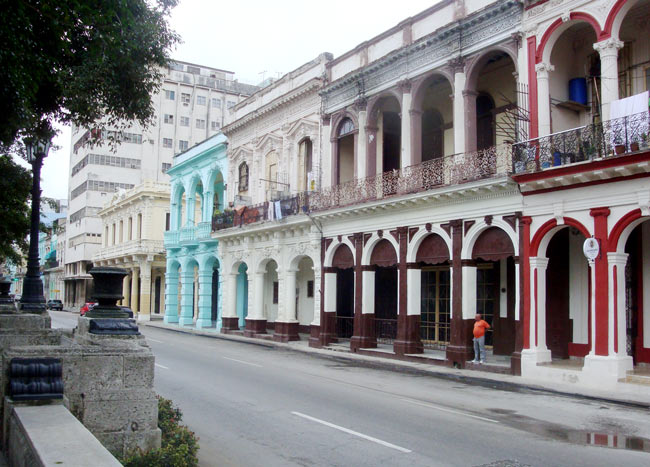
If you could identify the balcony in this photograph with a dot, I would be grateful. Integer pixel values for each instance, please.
(172, 239)
(436, 173)
(203, 231)
(188, 234)
(591, 142)
(268, 211)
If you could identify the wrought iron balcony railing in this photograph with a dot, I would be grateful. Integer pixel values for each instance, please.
(171, 238)
(598, 140)
(268, 211)
(435, 173)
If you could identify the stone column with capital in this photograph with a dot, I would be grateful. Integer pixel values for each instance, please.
(538, 347)
(135, 277)
(608, 51)
(469, 117)
(204, 319)
(406, 155)
(326, 154)
(187, 298)
(189, 207)
(362, 141)
(171, 295)
(256, 321)
(617, 324)
(543, 98)
(229, 318)
(459, 108)
(286, 326)
(145, 290)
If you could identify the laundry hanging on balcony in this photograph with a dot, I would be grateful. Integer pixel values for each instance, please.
(278, 210)
(632, 113)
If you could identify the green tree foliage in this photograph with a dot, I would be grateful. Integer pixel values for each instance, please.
(179, 446)
(15, 187)
(80, 61)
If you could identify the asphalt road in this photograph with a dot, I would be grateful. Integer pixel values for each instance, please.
(258, 406)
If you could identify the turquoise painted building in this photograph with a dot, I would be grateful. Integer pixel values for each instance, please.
(193, 283)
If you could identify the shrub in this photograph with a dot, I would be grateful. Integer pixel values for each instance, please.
(179, 446)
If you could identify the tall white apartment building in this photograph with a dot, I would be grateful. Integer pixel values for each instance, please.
(190, 107)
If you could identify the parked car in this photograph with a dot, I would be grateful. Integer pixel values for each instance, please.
(54, 305)
(87, 307)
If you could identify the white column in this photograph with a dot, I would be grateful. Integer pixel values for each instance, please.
(134, 289)
(330, 292)
(407, 156)
(413, 291)
(326, 154)
(617, 324)
(538, 266)
(459, 112)
(289, 314)
(368, 288)
(469, 292)
(145, 290)
(608, 50)
(204, 319)
(230, 310)
(543, 97)
(257, 310)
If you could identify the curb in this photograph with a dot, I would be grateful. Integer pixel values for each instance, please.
(411, 368)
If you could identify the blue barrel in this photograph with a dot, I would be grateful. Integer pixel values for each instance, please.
(578, 90)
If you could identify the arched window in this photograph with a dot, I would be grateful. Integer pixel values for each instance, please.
(346, 126)
(243, 177)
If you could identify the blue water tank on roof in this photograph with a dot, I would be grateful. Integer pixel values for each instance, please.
(578, 90)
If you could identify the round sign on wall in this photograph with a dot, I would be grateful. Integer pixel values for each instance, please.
(591, 248)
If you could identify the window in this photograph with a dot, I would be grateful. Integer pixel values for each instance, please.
(243, 177)
(186, 98)
(165, 167)
(201, 100)
(200, 123)
(230, 104)
(129, 228)
(168, 143)
(193, 69)
(216, 103)
(167, 221)
(215, 126)
(139, 226)
(169, 119)
(275, 293)
(183, 145)
(346, 127)
(185, 121)
(170, 95)
(310, 289)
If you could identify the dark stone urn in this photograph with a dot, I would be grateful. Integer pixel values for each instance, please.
(5, 287)
(107, 291)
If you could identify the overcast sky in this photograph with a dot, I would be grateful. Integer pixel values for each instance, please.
(256, 39)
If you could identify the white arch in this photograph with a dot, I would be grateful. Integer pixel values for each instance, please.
(329, 254)
(620, 17)
(295, 260)
(627, 231)
(372, 241)
(420, 235)
(477, 229)
(261, 264)
(555, 35)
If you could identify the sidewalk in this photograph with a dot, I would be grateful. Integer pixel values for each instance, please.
(638, 396)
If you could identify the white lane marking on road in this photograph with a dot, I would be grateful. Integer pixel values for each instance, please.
(161, 366)
(456, 412)
(154, 340)
(351, 432)
(242, 361)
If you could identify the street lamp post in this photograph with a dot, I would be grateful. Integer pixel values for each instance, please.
(32, 299)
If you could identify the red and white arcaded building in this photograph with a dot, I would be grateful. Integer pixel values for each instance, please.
(465, 157)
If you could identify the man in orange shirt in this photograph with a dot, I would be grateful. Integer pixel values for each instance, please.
(480, 326)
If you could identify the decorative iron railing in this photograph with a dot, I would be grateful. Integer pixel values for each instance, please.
(385, 330)
(344, 326)
(443, 171)
(598, 140)
(268, 211)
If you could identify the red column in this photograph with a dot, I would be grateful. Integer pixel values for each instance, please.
(532, 87)
(364, 324)
(408, 327)
(601, 284)
(459, 349)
